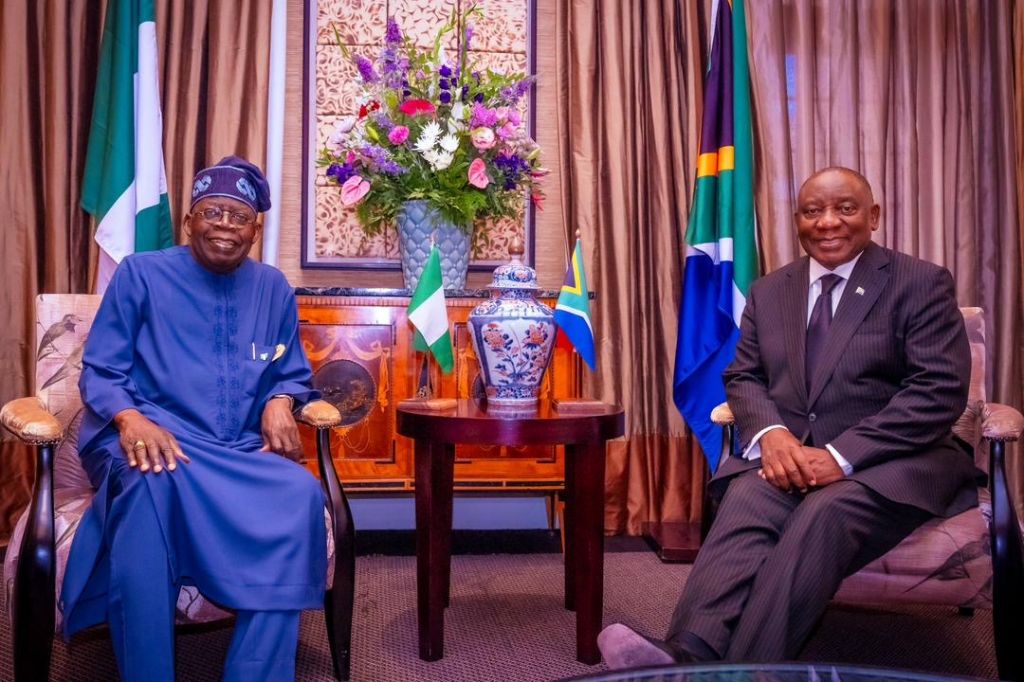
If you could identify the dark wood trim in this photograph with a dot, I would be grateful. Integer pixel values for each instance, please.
(1007, 569)
(34, 579)
(340, 599)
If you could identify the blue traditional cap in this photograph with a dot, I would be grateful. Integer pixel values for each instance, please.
(236, 178)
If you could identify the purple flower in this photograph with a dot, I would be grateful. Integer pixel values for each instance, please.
(340, 173)
(377, 158)
(469, 34)
(478, 97)
(366, 69)
(382, 120)
(393, 36)
(465, 92)
(482, 116)
(445, 70)
(446, 97)
(513, 93)
(512, 167)
(443, 83)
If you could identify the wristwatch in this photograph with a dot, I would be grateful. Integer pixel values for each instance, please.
(291, 400)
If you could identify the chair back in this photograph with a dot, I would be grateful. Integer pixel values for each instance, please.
(968, 426)
(62, 324)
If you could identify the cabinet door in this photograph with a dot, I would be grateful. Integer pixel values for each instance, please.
(352, 352)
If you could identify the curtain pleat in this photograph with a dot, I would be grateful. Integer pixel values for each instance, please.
(629, 79)
(214, 57)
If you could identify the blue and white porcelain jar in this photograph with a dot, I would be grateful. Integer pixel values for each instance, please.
(513, 335)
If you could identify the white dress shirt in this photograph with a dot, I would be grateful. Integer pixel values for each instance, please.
(816, 272)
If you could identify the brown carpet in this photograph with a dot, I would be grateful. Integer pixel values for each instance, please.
(506, 623)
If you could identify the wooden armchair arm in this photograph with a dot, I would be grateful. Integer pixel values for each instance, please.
(722, 415)
(28, 419)
(32, 603)
(319, 414)
(1001, 422)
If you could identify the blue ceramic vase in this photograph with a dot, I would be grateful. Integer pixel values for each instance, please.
(417, 222)
(513, 336)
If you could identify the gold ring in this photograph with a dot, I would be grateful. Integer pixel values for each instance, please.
(139, 445)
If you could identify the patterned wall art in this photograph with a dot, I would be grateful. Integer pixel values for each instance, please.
(502, 41)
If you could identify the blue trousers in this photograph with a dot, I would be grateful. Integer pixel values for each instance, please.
(142, 597)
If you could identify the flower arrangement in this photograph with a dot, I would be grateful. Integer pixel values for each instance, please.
(436, 128)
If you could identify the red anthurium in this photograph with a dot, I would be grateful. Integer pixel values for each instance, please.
(415, 107)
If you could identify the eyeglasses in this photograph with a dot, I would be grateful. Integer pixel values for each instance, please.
(237, 219)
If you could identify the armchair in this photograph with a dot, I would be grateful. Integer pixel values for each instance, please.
(39, 547)
(972, 560)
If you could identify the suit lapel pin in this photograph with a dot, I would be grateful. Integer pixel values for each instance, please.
(860, 291)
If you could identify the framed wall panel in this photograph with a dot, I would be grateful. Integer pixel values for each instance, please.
(502, 41)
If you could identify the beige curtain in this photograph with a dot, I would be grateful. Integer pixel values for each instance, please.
(214, 64)
(629, 84)
(48, 53)
(919, 96)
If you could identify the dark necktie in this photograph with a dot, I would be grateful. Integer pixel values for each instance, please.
(817, 327)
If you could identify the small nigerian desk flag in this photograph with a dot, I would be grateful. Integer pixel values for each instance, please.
(429, 316)
(572, 310)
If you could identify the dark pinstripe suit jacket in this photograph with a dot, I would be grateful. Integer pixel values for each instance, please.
(891, 381)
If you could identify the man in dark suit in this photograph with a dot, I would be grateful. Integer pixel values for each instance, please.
(851, 368)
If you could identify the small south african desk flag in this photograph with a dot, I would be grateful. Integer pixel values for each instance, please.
(572, 310)
(429, 315)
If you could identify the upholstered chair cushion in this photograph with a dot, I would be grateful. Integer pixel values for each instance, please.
(945, 561)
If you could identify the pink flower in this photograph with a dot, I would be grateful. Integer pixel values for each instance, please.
(415, 107)
(538, 200)
(353, 191)
(483, 138)
(478, 174)
(507, 131)
(398, 135)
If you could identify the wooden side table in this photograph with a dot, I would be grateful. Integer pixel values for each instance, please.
(435, 434)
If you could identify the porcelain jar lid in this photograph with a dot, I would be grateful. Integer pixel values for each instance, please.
(515, 274)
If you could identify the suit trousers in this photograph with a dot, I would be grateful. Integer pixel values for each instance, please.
(773, 560)
(142, 596)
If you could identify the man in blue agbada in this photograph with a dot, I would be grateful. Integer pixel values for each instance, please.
(190, 375)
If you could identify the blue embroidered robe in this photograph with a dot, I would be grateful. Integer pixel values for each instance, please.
(200, 354)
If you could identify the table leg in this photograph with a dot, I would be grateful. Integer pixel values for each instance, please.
(588, 553)
(448, 484)
(568, 520)
(434, 472)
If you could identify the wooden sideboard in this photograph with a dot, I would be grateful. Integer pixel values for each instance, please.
(359, 342)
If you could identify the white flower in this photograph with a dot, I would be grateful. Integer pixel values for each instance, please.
(425, 145)
(444, 159)
(430, 156)
(459, 111)
(449, 143)
(345, 124)
(431, 131)
(336, 140)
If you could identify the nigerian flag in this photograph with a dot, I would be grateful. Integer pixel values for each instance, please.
(125, 187)
(429, 315)
(721, 252)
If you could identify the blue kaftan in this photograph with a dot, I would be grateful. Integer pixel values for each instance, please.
(200, 354)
